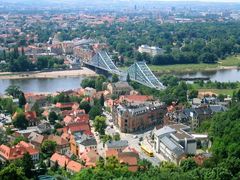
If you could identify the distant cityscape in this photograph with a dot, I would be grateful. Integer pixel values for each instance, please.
(156, 90)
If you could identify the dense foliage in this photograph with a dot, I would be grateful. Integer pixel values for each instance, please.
(19, 62)
(183, 43)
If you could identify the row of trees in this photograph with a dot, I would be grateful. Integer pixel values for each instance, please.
(17, 61)
(183, 43)
(217, 85)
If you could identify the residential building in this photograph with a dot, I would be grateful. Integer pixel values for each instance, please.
(128, 158)
(61, 160)
(90, 157)
(116, 145)
(130, 117)
(17, 152)
(88, 91)
(119, 88)
(74, 167)
(69, 106)
(137, 99)
(62, 144)
(32, 119)
(36, 140)
(80, 142)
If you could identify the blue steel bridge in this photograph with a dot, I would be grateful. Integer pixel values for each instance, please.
(138, 72)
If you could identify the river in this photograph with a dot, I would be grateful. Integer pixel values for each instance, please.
(66, 83)
(223, 75)
(42, 85)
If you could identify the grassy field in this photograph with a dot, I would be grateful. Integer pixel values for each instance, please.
(182, 68)
(219, 91)
(216, 91)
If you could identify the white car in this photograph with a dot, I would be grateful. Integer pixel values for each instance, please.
(135, 136)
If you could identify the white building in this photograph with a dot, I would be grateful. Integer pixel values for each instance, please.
(153, 50)
(174, 142)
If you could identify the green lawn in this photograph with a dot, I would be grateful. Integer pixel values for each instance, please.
(231, 61)
(181, 68)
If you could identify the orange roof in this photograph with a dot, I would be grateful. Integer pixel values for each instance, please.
(68, 119)
(65, 136)
(111, 152)
(127, 159)
(65, 105)
(136, 98)
(31, 115)
(59, 140)
(60, 159)
(90, 157)
(74, 166)
(78, 127)
(17, 152)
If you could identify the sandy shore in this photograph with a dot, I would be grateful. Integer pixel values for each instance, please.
(53, 74)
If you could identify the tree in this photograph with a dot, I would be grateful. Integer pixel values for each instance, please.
(193, 94)
(86, 106)
(116, 137)
(27, 164)
(37, 109)
(102, 100)
(23, 53)
(128, 78)
(15, 52)
(20, 121)
(52, 117)
(115, 78)
(88, 82)
(188, 164)
(95, 111)
(19, 139)
(13, 90)
(12, 172)
(105, 138)
(208, 58)
(55, 166)
(99, 124)
(22, 100)
(48, 147)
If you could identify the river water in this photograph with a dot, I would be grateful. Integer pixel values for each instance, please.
(66, 83)
(223, 75)
(42, 85)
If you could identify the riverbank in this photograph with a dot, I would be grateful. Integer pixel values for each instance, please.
(52, 74)
(232, 62)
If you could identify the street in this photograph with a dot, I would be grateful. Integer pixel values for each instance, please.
(133, 139)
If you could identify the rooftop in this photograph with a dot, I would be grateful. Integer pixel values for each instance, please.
(117, 144)
(175, 148)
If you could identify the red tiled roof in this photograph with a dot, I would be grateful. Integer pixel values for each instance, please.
(59, 140)
(136, 98)
(65, 105)
(60, 159)
(17, 152)
(90, 157)
(78, 127)
(74, 166)
(111, 152)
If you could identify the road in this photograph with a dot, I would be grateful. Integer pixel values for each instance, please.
(133, 139)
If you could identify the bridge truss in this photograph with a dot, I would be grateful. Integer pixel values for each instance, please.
(141, 73)
(102, 61)
(138, 72)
